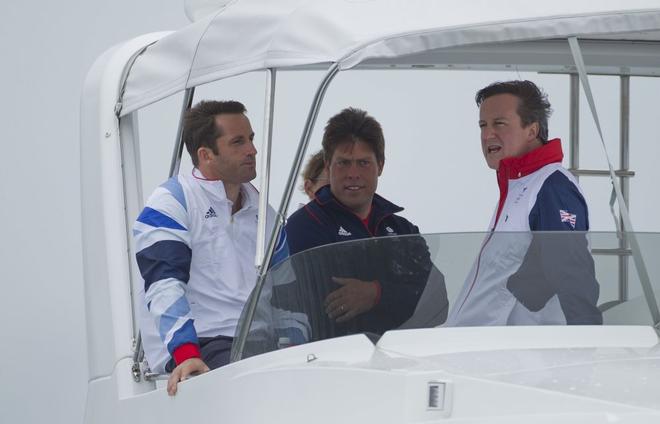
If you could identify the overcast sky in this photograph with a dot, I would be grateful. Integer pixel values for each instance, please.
(47, 48)
(434, 168)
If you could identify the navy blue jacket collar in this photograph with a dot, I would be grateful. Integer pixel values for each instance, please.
(379, 206)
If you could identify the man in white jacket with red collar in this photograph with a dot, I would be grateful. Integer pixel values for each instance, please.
(522, 277)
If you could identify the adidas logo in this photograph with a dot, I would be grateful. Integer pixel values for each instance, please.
(210, 214)
(389, 229)
(343, 232)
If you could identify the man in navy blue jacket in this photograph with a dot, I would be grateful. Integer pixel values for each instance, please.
(374, 285)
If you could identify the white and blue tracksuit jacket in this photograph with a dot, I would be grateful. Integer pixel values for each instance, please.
(525, 278)
(197, 262)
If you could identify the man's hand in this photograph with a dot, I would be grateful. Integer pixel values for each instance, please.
(185, 369)
(352, 299)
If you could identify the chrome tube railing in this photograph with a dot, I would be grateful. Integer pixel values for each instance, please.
(241, 338)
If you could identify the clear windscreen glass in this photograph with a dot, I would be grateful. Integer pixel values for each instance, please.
(375, 285)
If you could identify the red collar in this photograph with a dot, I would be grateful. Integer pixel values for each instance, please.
(521, 166)
(365, 221)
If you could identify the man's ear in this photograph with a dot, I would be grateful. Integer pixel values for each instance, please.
(380, 167)
(203, 154)
(533, 131)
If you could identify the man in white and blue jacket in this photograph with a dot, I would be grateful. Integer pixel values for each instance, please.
(371, 286)
(196, 242)
(520, 277)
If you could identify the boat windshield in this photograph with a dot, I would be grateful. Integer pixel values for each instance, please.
(375, 285)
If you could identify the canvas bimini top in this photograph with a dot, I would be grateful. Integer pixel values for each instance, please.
(251, 35)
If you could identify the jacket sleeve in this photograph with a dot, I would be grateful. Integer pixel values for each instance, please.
(163, 246)
(305, 230)
(281, 252)
(558, 261)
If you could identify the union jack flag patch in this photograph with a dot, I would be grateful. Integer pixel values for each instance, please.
(568, 217)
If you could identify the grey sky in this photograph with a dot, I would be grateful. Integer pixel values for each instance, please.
(47, 48)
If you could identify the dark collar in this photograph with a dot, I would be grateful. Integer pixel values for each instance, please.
(379, 205)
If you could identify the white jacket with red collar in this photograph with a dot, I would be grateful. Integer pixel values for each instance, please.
(525, 278)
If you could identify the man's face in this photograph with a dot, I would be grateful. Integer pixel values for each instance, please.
(502, 132)
(353, 171)
(235, 162)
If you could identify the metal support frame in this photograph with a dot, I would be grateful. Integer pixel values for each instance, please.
(624, 164)
(612, 252)
(574, 122)
(623, 173)
(130, 159)
(264, 189)
(241, 338)
(138, 355)
(601, 173)
(178, 145)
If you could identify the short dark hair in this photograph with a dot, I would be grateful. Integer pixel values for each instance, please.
(199, 128)
(533, 104)
(353, 125)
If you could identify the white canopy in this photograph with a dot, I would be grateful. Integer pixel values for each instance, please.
(249, 35)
